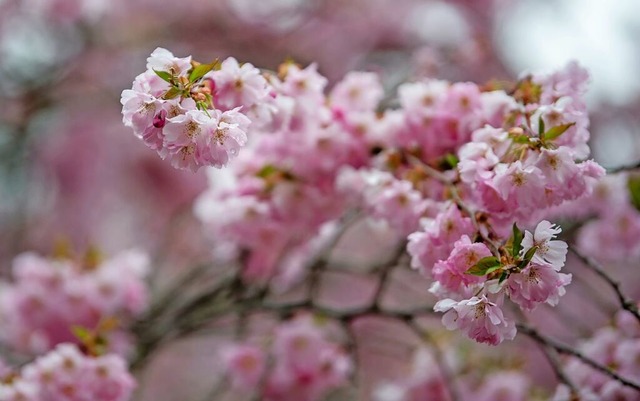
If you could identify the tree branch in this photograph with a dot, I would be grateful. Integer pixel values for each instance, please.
(626, 167)
(626, 303)
(567, 350)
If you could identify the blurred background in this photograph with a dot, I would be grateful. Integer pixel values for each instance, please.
(70, 170)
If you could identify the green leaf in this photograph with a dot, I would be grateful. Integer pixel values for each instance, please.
(200, 71)
(164, 75)
(451, 160)
(527, 257)
(266, 171)
(172, 93)
(556, 131)
(82, 333)
(485, 266)
(517, 241)
(503, 277)
(634, 190)
(540, 126)
(524, 139)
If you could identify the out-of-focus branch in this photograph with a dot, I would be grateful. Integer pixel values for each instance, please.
(567, 350)
(554, 361)
(626, 167)
(626, 303)
(445, 370)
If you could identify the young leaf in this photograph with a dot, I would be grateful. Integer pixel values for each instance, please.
(522, 139)
(164, 75)
(171, 93)
(199, 71)
(485, 266)
(266, 171)
(527, 257)
(451, 160)
(81, 333)
(556, 131)
(517, 241)
(540, 126)
(634, 190)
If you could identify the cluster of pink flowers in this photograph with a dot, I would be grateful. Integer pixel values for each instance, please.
(66, 374)
(302, 365)
(278, 195)
(509, 173)
(472, 283)
(617, 347)
(384, 197)
(515, 174)
(48, 297)
(194, 114)
(455, 167)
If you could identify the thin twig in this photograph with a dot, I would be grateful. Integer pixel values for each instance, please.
(319, 261)
(567, 350)
(627, 167)
(626, 303)
(554, 361)
(447, 374)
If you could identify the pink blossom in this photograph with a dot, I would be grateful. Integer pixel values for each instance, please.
(535, 284)
(163, 60)
(237, 85)
(613, 235)
(245, 365)
(549, 251)
(357, 91)
(520, 184)
(480, 319)
(504, 386)
(450, 273)
(48, 297)
(65, 374)
(436, 240)
(306, 365)
(304, 83)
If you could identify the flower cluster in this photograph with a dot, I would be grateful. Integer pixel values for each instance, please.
(66, 374)
(49, 297)
(194, 114)
(302, 364)
(472, 283)
(279, 194)
(516, 172)
(454, 167)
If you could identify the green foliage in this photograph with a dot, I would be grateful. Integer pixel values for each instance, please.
(556, 131)
(485, 266)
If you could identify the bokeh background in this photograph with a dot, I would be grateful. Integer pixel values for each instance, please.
(70, 171)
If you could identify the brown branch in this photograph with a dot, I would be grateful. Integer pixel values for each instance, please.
(445, 370)
(567, 350)
(626, 303)
(627, 167)
(552, 357)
